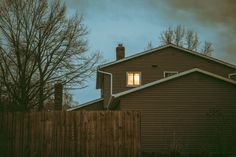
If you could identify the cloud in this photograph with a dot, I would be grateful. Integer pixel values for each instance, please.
(214, 14)
(208, 11)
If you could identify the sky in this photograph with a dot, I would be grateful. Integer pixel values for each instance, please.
(134, 23)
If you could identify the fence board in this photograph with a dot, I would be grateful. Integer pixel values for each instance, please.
(70, 134)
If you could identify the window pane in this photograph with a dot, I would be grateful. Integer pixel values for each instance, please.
(130, 79)
(136, 78)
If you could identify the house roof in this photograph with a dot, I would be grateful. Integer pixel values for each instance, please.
(174, 77)
(163, 47)
(85, 104)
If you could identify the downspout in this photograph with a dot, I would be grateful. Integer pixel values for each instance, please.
(110, 74)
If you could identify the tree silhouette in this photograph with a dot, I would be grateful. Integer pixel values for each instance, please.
(185, 38)
(39, 45)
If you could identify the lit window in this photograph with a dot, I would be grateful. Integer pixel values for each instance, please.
(133, 78)
(170, 73)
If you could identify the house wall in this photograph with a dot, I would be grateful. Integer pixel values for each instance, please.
(168, 59)
(106, 89)
(193, 113)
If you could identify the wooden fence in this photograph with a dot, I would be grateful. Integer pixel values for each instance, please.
(70, 134)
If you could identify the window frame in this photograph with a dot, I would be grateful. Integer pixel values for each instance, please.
(230, 75)
(140, 78)
(172, 72)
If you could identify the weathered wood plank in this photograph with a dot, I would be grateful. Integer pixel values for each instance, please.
(77, 121)
(103, 133)
(99, 134)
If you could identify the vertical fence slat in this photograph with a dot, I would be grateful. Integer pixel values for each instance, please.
(67, 135)
(63, 134)
(12, 134)
(111, 132)
(88, 133)
(72, 144)
(31, 132)
(120, 134)
(103, 133)
(78, 135)
(108, 133)
(94, 135)
(18, 134)
(83, 134)
(99, 135)
(115, 126)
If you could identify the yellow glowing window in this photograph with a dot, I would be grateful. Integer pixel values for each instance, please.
(133, 78)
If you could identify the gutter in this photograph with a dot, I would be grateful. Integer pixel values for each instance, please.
(110, 74)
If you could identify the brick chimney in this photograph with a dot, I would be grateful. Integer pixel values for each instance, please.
(120, 52)
(58, 95)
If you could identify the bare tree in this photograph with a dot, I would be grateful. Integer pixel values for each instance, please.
(184, 38)
(179, 33)
(191, 40)
(207, 48)
(149, 46)
(40, 45)
(167, 36)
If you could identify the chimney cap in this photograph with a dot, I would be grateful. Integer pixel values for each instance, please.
(120, 45)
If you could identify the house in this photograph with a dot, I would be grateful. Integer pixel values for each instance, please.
(187, 100)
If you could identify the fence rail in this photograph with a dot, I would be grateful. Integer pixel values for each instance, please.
(70, 134)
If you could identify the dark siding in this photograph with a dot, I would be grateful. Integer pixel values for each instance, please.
(177, 113)
(93, 107)
(168, 59)
(106, 89)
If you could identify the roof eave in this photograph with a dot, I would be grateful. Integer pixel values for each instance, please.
(85, 104)
(173, 77)
(163, 47)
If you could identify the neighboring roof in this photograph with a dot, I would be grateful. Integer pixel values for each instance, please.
(163, 47)
(171, 78)
(86, 104)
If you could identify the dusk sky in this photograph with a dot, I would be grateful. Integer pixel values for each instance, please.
(134, 23)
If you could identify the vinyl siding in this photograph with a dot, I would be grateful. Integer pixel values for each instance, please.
(168, 59)
(106, 89)
(177, 112)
